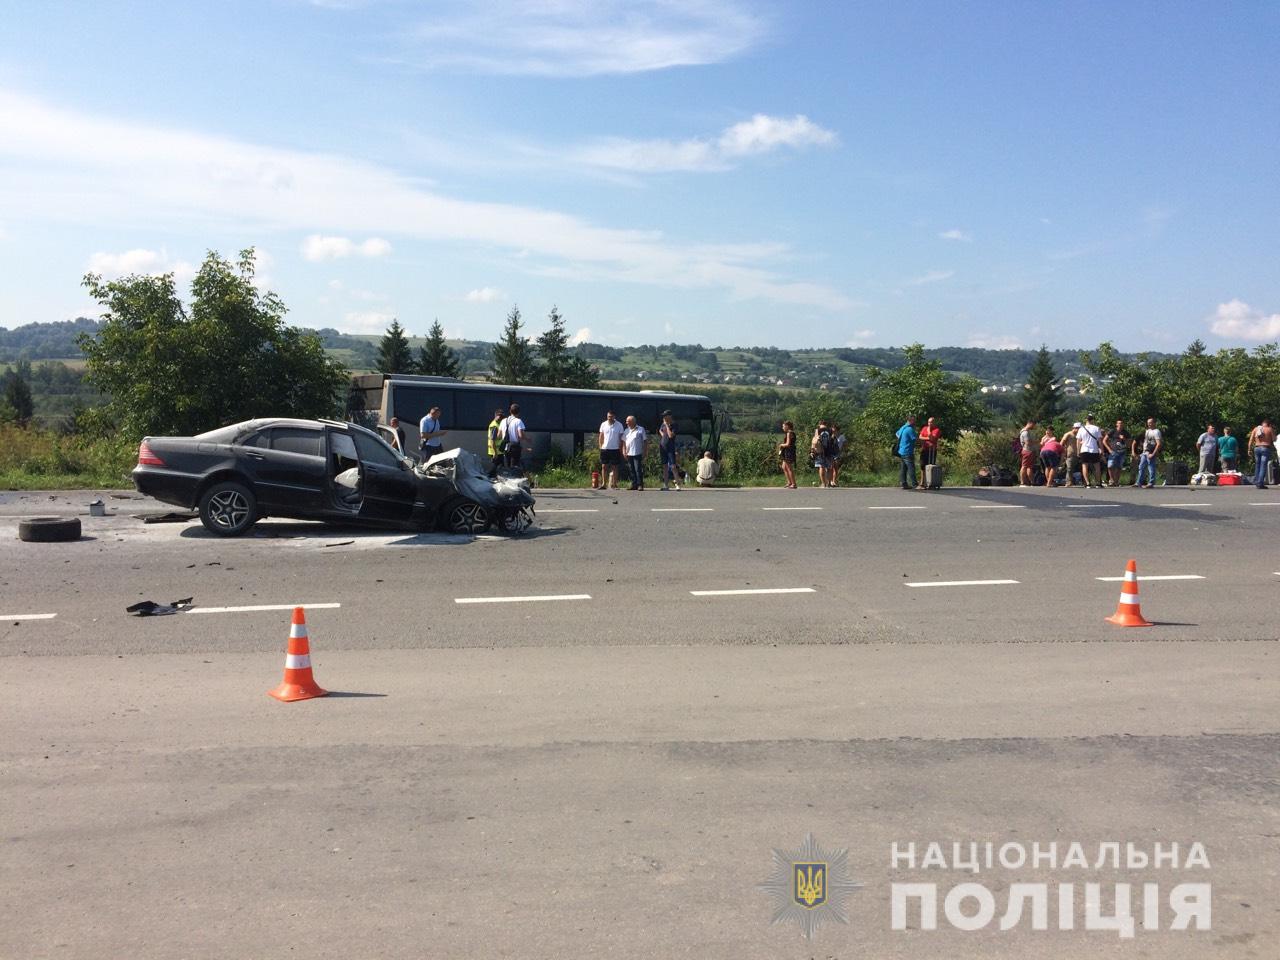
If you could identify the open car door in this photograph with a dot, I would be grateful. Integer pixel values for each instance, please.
(389, 483)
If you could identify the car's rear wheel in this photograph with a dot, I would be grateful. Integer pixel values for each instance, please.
(466, 516)
(228, 509)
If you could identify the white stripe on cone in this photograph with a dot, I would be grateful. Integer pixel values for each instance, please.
(296, 662)
(1129, 598)
(297, 630)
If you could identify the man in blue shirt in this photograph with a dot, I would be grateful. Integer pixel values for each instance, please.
(907, 454)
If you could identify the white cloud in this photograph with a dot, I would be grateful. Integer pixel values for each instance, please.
(569, 39)
(993, 341)
(1236, 320)
(763, 133)
(317, 248)
(760, 134)
(111, 266)
(139, 174)
(955, 234)
(860, 338)
(933, 276)
(582, 335)
(372, 321)
(484, 295)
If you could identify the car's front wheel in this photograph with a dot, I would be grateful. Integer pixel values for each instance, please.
(466, 516)
(228, 509)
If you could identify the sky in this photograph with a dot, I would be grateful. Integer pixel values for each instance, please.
(727, 172)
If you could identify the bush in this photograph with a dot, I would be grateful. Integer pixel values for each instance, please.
(42, 458)
(977, 449)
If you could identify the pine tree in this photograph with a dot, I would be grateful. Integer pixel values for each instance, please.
(1039, 400)
(17, 396)
(394, 355)
(553, 348)
(513, 361)
(435, 357)
(580, 374)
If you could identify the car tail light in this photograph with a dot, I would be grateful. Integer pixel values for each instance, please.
(147, 457)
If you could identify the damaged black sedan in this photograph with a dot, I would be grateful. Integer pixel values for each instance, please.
(324, 470)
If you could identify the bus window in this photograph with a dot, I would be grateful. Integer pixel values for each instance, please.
(540, 411)
(474, 408)
(412, 401)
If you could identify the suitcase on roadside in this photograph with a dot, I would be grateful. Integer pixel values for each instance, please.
(933, 476)
(1204, 480)
(1177, 473)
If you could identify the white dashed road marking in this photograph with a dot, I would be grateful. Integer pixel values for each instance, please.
(958, 583)
(681, 509)
(1091, 506)
(266, 606)
(998, 506)
(562, 596)
(29, 616)
(917, 506)
(1186, 504)
(1265, 503)
(570, 510)
(743, 593)
(1170, 576)
(790, 508)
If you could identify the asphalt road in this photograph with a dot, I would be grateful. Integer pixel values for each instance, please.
(607, 773)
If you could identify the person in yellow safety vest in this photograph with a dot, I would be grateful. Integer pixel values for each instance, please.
(495, 432)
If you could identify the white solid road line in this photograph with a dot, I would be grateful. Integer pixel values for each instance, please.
(266, 606)
(958, 583)
(681, 509)
(790, 508)
(743, 593)
(563, 596)
(997, 506)
(1169, 576)
(571, 510)
(29, 616)
(916, 506)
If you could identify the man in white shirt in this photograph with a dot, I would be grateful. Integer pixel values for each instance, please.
(610, 440)
(513, 428)
(634, 441)
(430, 431)
(708, 469)
(1089, 437)
(1152, 443)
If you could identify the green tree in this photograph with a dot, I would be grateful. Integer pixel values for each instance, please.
(921, 388)
(580, 374)
(170, 369)
(1234, 388)
(553, 350)
(435, 357)
(394, 353)
(18, 400)
(513, 360)
(1039, 401)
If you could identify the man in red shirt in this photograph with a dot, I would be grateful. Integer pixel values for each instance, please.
(930, 436)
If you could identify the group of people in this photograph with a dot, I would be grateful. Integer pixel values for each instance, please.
(1087, 450)
(629, 442)
(505, 437)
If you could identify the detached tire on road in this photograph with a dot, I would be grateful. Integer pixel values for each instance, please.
(49, 529)
(228, 509)
(465, 516)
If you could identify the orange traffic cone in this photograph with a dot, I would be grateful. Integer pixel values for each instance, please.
(298, 683)
(1128, 610)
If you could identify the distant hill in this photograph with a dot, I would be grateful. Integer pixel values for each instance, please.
(840, 367)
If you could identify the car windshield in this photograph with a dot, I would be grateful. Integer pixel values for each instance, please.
(367, 434)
